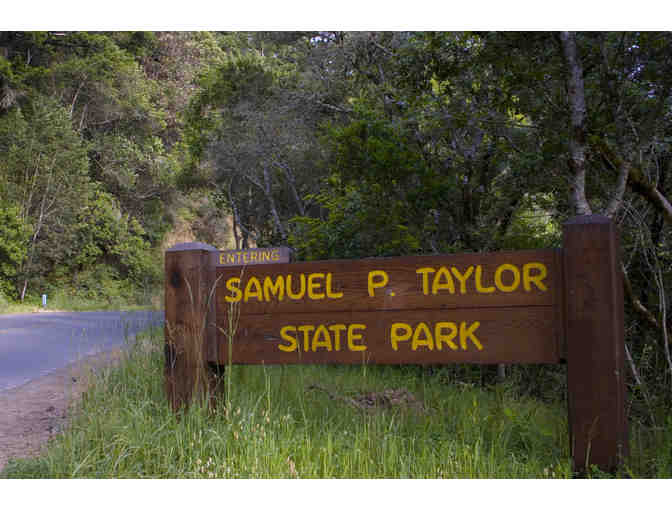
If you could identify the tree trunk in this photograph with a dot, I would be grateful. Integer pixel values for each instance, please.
(291, 180)
(577, 133)
(271, 203)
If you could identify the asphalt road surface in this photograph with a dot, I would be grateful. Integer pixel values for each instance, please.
(33, 345)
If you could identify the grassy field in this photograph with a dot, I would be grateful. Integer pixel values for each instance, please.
(316, 422)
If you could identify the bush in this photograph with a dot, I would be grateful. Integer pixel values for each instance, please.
(14, 234)
(4, 304)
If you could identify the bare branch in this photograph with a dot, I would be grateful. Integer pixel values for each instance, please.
(635, 179)
(74, 98)
(636, 303)
(617, 199)
(271, 203)
(236, 215)
(338, 109)
(663, 318)
(291, 180)
(639, 382)
(640, 184)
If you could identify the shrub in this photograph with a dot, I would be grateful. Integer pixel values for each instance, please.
(4, 304)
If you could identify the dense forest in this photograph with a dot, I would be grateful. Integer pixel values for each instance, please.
(339, 145)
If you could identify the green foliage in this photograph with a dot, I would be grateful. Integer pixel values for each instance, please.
(83, 115)
(342, 144)
(252, 138)
(46, 178)
(139, 44)
(141, 174)
(532, 226)
(14, 236)
(104, 234)
(355, 227)
(239, 79)
(380, 158)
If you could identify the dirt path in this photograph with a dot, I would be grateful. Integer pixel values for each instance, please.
(32, 413)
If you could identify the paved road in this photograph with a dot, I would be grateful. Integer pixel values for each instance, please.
(33, 345)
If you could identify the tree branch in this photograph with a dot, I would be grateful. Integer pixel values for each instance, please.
(636, 303)
(636, 179)
(236, 215)
(640, 184)
(617, 198)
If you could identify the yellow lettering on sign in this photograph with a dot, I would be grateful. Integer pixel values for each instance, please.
(437, 285)
(330, 292)
(355, 336)
(254, 256)
(498, 277)
(314, 285)
(425, 272)
(336, 330)
(326, 342)
(440, 337)
(462, 278)
(306, 329)
(382, 279)
(479, 283)
(437, 279)
(302, 287)
(399, 332)
(468, 333)
(322, 337)
(233, 286)
(274, 289)
(317, 286)
(421, 335)
(253, 289)
(536, 279)
(293, 343)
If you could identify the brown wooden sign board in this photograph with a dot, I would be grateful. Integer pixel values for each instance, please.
(425, 309)
(536, 306)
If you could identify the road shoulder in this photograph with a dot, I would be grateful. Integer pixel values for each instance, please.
(34, 412)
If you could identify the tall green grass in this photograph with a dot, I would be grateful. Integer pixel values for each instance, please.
(277, 427)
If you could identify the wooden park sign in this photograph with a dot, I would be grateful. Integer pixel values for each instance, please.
(534, 306)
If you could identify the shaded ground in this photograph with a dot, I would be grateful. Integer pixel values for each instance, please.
(32, 413)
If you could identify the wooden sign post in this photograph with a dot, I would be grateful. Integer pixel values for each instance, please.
(593, 290)
(534, 306)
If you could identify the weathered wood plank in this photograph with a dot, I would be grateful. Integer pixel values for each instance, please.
(488, 335)
(502, 279)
